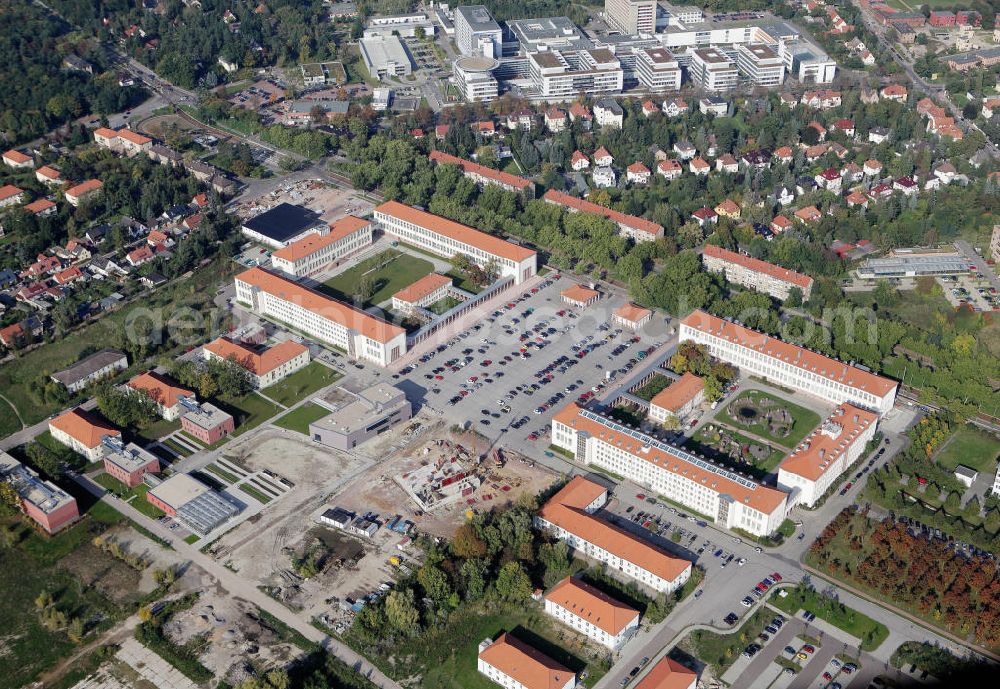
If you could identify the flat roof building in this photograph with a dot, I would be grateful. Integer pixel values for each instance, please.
(361, 335)
(546, 33)
(208, 423)
(320, 249)
(93, 368)
(128, 463)
(761, 65)
(730, 499)
(657, 69)
(564, 74)
(901, 265)
(788, 364)
(283, 225)
(447, 238)
(569, 516)
(46, 504)
(386, 56)
(356, 418)
(755, 274)
(476, 32)
(631, 16)
(712, 70)
(826, 453)
(194, 504)
(474, 78)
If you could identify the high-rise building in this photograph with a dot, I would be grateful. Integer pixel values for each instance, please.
(761, 65)
(565, 74)
(476, 32)
(712, 70)
(657, 69)
(474, 78)
(631, 16)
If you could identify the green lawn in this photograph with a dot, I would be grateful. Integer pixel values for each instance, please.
(858, 625)
(803, 420)
(142, 505)
(972, 447)
(249, 411)
(403, 270)
(157, 430)
(254, 493)
(721, 650)
(177, 447)
(655, 386)
(191, 539)
(221, 473)
(113, 485)
(444, 305)
(299, 419)
(303, 382)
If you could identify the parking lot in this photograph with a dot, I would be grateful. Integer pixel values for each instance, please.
(534, 354)
(968, 290)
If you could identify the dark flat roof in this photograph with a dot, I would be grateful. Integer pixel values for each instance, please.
(283, 222)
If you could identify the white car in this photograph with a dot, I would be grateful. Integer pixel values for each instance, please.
(747, 602)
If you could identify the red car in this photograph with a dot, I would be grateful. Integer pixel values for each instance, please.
(640, 496)
(776, 576)
(827, 676)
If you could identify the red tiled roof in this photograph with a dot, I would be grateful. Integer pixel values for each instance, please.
(84, 427)
(817, 451)
(258, 363)
(9, 190)
(757, 265)
(519, 183)
(39, 206)
(527, 665)
(16, 156)
(668, 674)
(313, 242)
(630, 221)
(84, 187)
(579, 293)
(159, 388)
(422, 287)
(632, 313)
(678, 393)
(592, 605)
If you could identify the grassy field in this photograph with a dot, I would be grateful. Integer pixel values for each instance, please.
(703, 440)
(803, 420)
(157, 430)
(255, 494)
(443, 305)
(871, 632)
(221, 473)
(249, 411)
(303, 382)
(655, 386)
(403, 270)
(447, 659)
(17, 375)
(299, 419)
(141, 504)
(971, 447)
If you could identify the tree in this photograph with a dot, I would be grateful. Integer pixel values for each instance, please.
(671, 423)
(126, 409)
(474, 579)
(794, 299)
(75, 630)
(401, 611)
(513, 583)
(434, 582)
(466, 543)
(713, 388)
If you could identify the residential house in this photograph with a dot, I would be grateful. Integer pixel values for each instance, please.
(895, 92)
(780, 223)
(823, 99)
(727, 163)
(857, 199)
(783, 154)
(872, 168)
(907, 185)
(820, 130)
(578, 112)
(685, 150)
(830, 180)
(41, 208)
(945, 172)
(609, 113)
(728, 209)
(637, 173)
(670, 168)
(674, 107)
(808, 215)
(84, 191)
(137, 257)
(649, 108)
(845, 126)
(522, 119)
(48, 175)
(12, 196)
(578, 161)
(713, 105)
(555, 119)
(18, 160)
(705, 216)
(878, 135)
(699, 167)
(784, 196)
(604, 177)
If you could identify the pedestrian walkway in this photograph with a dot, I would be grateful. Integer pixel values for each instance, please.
(152, 667)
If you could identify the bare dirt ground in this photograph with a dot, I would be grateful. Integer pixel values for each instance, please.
(329, 201)
(154, 125)
(231, 636)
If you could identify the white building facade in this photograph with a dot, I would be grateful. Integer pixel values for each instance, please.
(318, 250)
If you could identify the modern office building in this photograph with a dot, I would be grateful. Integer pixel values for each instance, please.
(565, 74)
(476, 32)
(678, 399)
(190, 501)
(592, 612)
(657, 69)
(826, 453)
(128, 463)
(905, 264)
(543, 33)
(513, 664)
(712, 70)
(163, 391)
(283, 225)
(359, 334)
(399, 25)
(482, 175)
(631, 16)
(634, 227)
(266, 366)
(46, 504)
(83, 432)
(807, 62)
(356, 418)
(729, 499)
(569, 516)
(208, 423)
(324, 247)
(754, 273)
(385, 56)
(447, 238)
(474, 78)
(761, 65)
(787, 364)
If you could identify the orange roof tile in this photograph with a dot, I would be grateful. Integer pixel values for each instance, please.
(16, 156)
(592, 605)
(630, 221)
(468, 166)
(668, 674)
(678, 393)
(759, 497)
(68, 275)
(134, 137)
(313, 242)
(530, 667)
(84, 187)
(39, 206)
(809, 213)
(258, 363)
(9, 190)
(159, 388)
(105, 133)
(86, 428)
(800, 357)
(633, 313)
(457, 231)
(422, 287)
(637, 168)
(565, 509)
(759, 266)
(48, 172)
(369, 326)
(579, 293)
(821, 448)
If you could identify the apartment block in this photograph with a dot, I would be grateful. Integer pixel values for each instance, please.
(712, 70)
(482, 175)
(357, 333)
(631, 16)
(513, 664)
(565, 74)
(592, 612)
(266, 366)
(321, 249)
(657, 69)
(163, 391)
(789, 365)
(447, 238)
(729, 499)
(83, 432)
(569, 515)
(754, 273)
(631, 226)
(826, 453)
